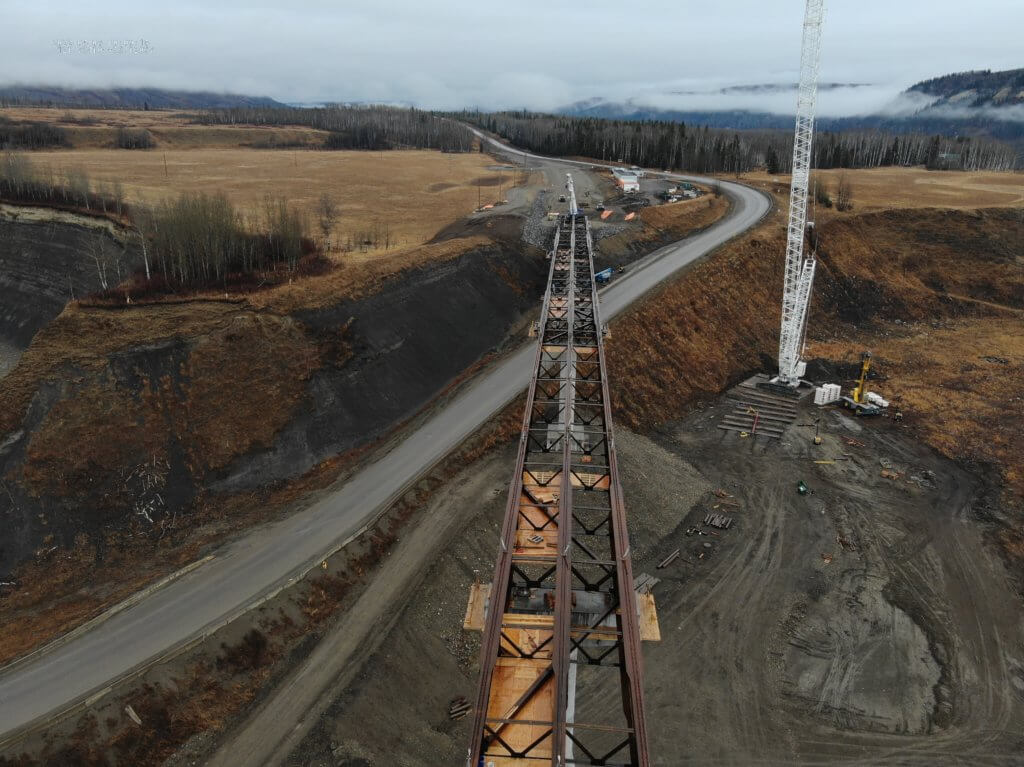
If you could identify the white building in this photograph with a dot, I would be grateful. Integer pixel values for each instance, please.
(627, 180)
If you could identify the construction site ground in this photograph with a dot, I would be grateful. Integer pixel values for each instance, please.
(782, 643)
(863, 623)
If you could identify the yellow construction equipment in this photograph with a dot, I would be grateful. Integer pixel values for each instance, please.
(865, 366)
(857, 402)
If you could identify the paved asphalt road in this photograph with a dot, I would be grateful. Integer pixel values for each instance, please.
(246, 569)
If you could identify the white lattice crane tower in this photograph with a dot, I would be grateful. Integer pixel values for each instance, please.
(571, 191)
(796, 292)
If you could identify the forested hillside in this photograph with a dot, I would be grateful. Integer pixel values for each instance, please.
(357, 127)
(125, 98)
(665, 144)
(978, 88)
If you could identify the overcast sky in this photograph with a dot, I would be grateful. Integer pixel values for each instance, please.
(539, 55)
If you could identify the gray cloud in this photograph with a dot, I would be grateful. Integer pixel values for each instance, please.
(836, 101)
(467, 53)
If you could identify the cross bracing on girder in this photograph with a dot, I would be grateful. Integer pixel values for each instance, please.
(562, 598)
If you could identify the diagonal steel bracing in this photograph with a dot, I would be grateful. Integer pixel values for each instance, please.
(562, 608)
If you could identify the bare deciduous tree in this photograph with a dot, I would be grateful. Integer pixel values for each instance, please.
(200, 239)
(118, 194)
(103, 256)
(327, 215)
(821, 195)
(844, 194)
(78, 183)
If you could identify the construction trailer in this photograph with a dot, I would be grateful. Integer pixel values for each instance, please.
(627, 181)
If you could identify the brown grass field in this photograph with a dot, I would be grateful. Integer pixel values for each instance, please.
(418, 191)
(879, 188)
(97, 128)
(134, 118)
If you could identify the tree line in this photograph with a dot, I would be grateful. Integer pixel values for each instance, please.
(127, 138)
(42, 135)
(355, 127)
(31, 135)
(21, 181)
(700, 149)
(200, 240)
(648, 143)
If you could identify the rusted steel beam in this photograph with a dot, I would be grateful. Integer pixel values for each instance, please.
(630, 647)
(562, 592)
(502, 572)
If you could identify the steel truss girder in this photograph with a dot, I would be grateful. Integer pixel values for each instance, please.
(563, 537)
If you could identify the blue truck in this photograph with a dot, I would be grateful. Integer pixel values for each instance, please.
(603, 276)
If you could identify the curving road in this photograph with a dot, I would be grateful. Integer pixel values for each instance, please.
(243, 572)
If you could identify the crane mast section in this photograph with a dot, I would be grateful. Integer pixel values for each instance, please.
(798, 276)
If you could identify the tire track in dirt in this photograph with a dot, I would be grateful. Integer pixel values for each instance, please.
(944, 552)
(907, 590)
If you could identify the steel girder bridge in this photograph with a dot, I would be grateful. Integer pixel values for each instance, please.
(561, 671)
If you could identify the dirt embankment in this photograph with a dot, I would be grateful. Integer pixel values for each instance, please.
(912, 264)
(124, 433)
(660, 225)
(186, 703)
(935, 295)
(695, 336)
(938, 298)
(34, 289)
(130, 438)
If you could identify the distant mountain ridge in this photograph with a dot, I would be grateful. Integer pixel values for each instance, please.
(126, 98)
(770, 88)
(977, 88)
(979, 103)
